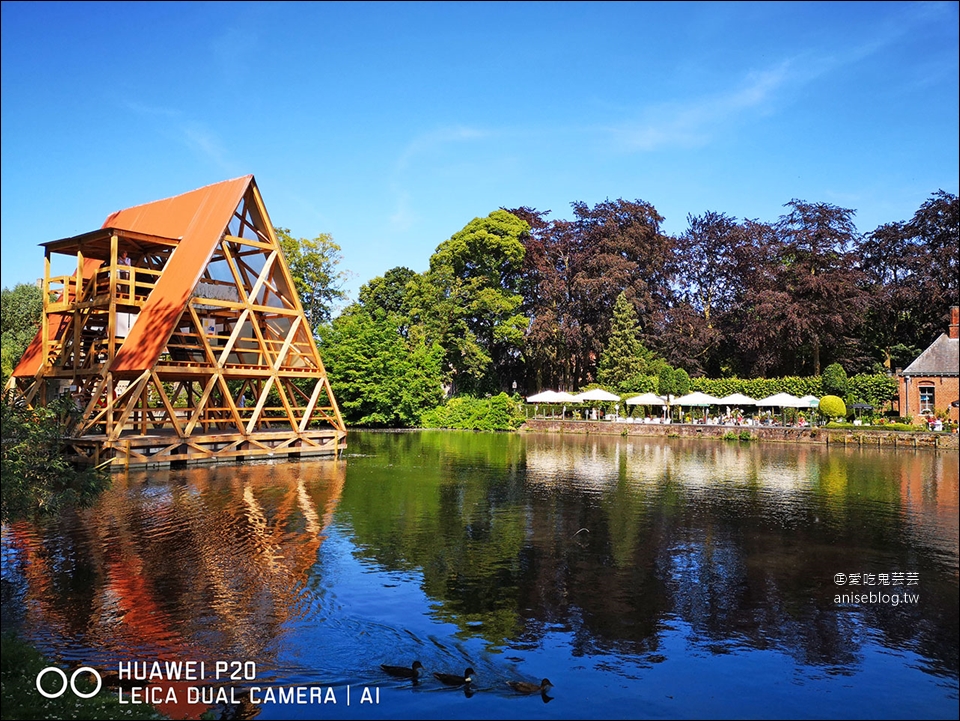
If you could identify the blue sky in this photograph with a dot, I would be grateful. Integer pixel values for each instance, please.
(392, 125)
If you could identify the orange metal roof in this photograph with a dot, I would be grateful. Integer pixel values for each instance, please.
(198, 219)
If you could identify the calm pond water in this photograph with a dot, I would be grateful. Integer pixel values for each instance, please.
(654, 578)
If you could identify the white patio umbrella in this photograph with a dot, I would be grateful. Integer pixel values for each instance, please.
(697, 399)
(549, 396)
(646, 399)
(738, 399)
(810, 402)
(782, 400)
(543, 397)
(597, 394)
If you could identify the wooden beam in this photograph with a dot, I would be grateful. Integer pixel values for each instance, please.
(308, 411)
(261, 401)
(246, 241)
(171, 413)
(224, 354)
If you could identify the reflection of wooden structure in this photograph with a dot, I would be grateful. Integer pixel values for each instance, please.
(250, 536)
(197, 351)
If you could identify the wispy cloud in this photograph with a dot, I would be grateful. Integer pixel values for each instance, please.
(192, 134)
(207, 143)
(696, 122)
(414, 154)
(434, 140)
(402, 218)
(693, 124)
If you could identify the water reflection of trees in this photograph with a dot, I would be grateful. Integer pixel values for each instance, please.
(207, 563)
(739, 543)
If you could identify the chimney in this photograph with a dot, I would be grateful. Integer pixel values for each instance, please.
(954, 331)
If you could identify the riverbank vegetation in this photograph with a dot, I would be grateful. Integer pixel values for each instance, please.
(36, 477)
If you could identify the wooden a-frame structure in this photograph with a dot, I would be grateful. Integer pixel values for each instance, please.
(197, 351)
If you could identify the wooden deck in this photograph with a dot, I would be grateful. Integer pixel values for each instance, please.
(163, 449)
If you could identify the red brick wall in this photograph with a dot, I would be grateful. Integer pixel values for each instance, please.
(946, 390)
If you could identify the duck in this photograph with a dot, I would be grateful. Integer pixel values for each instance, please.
(451, 679)
(402, 671)
(526, 687)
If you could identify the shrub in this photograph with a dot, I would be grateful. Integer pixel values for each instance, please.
(37, 477)
(499, 413)
(746, 436)
(833, 407)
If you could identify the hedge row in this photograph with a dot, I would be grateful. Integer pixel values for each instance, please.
(877, 389)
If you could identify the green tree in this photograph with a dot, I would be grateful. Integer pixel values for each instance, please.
(388, 292)
(624, 357)
(469, 301)
(672, 382)
(314, 267)
(911, 271)
(390, 295)
(378, 377)
(834, 380)
(20, 312)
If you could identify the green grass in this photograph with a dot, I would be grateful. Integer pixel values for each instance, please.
(19, 665)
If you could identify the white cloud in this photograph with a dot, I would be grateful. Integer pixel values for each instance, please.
(435, 139)
(194, 135)
(692, 124)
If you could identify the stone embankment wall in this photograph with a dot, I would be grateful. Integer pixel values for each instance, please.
(843, 436)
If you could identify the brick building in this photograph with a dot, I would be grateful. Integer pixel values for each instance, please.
(932, 382)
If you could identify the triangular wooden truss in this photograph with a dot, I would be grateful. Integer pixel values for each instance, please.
(238, 375)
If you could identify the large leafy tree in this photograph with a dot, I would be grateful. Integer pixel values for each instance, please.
(20, 311)
(935, 228)
(470, 302)
(573, 274)
(553, 340)
(708, 263)
(805, 301)
(625, 252)
(314, 264)
(911, 270)
(379, 377)
(711, 263)
(889, 261)
(388, 292)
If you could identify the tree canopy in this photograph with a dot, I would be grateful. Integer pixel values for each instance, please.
(606, 296)
(314, 265)
(20, 311)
